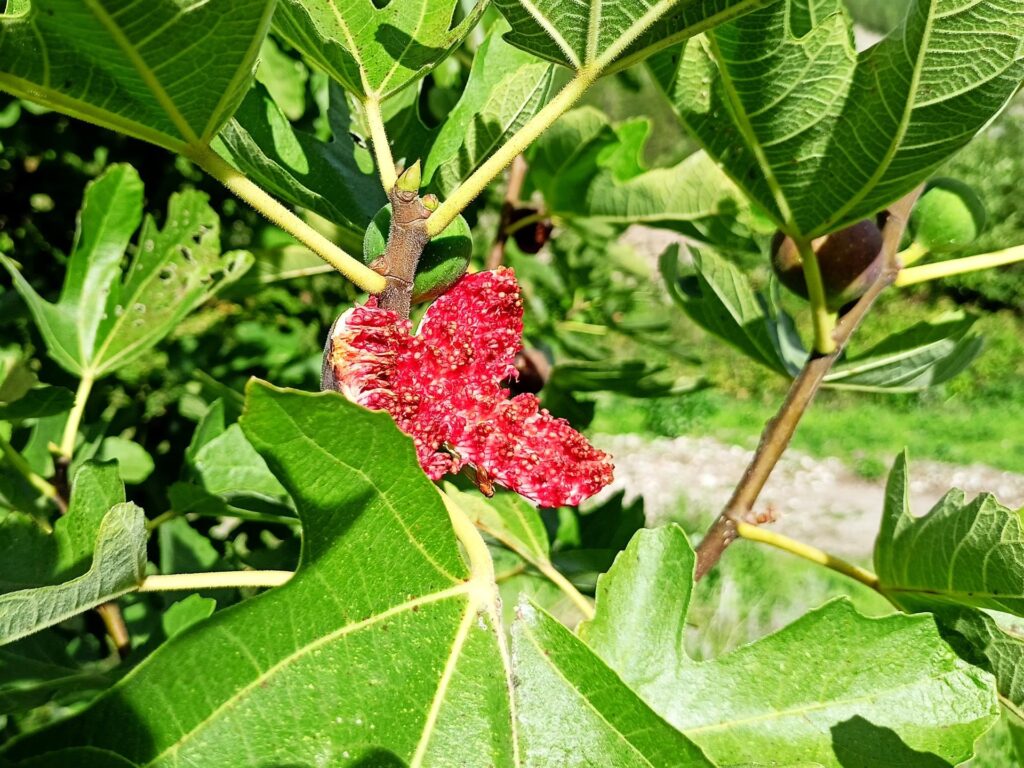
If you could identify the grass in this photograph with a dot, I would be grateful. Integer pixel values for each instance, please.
(977, 418)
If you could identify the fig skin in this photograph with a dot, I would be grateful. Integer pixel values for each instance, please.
(948, 216)
(443, 261)
(530, 238)
(850, 261)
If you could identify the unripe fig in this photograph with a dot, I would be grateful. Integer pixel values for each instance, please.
(948, 216)
(850, 261)
(444, 260)
(530, 237)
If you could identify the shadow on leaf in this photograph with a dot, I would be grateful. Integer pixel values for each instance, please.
(858, 743)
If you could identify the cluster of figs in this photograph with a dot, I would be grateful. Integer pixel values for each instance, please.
(948, 216)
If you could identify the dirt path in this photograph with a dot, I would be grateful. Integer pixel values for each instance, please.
(820, 501)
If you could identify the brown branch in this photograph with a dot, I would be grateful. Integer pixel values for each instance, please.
(779, 430)
(516, 178)
(407, 238)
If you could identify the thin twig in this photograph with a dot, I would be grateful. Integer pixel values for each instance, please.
(779, 430)
(516, 178)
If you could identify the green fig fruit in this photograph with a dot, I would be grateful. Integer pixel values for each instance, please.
(850, 261)
(948, 216)
(444, 260)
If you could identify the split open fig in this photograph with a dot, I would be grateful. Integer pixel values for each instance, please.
(850, 261)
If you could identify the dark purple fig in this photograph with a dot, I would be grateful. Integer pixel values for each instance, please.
(531, 236)
(850, 261)
(534, 371)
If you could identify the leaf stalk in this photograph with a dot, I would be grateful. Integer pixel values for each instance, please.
(823, 319)
(464, 194)
(194, 582)
(380, 143)
(71, 426)
(807, 552)
(274, 211)
(941, 269)
(18, 464)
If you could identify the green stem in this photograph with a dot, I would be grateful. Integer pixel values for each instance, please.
(19, 465)
(194, 582)
(911, 254)
(164, 517)
(476, 183)
(942, 269)
(273, 210)
(380, 143)
(67, 443)
(807, 552)
(526, 221)
(568, 588)
(824, 320)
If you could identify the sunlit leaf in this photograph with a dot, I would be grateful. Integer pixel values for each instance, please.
(374, 652)
(374, 49)
(575, 712)
(925, 355)
(596, 34)
(506, 88)
(334, 178)
(101, 321)
(822, 136)
(133, 68)
(891, 683)
(96, 553)
(590, 170)
(720, 299)
(961, 553)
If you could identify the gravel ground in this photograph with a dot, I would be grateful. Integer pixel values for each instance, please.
(820, 501)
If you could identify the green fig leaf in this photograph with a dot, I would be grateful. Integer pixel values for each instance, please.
(334, 178)
(880, 672)
(102, 322)
(960, 553)
(575, 712)
(589, 170)
(821, 136)
(604, 33)
(139, 78)
(506, 88)
(374, 50)
(380, 573)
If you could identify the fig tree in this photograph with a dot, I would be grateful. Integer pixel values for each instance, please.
(850, 261)
(948, 216)
(444, 260)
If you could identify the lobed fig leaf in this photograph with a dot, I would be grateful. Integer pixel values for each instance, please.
(850, 262)
(444, 260)
(948, 216)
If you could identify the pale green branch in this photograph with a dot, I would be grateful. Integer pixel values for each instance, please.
(942, 269)
(194, 582)
(824, 321)
(807, 552)
(243, 187)
(516, 144)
